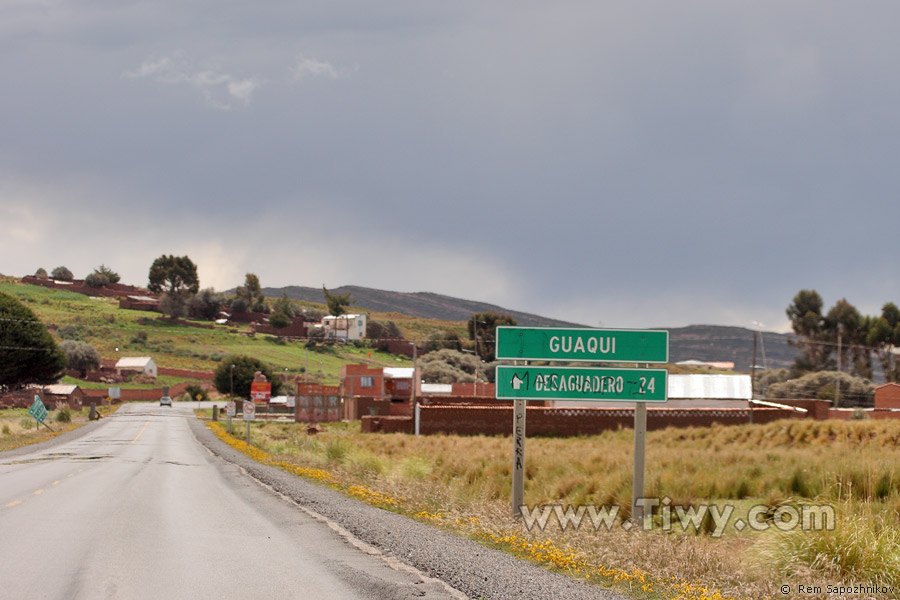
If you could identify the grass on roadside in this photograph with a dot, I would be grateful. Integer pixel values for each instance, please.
(18, 429)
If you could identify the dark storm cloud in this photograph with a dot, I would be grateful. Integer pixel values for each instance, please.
(640, 164)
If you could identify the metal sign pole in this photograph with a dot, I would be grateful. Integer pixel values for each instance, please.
(518, 480)
(640, 439)
(248, 433)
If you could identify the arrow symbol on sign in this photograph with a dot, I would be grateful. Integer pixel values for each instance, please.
(517, 382)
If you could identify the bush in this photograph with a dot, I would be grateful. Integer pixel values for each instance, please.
(279, 320)
(206, 304)
(80, 356)
(41, 273)
(96, 280)
(110, 275)
(64, 415)
(62, 274)
(193, 391)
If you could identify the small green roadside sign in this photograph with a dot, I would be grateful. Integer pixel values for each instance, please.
(582, 345)
(581, 383)
(38, 410)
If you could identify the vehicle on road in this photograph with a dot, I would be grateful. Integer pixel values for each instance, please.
(165, 401)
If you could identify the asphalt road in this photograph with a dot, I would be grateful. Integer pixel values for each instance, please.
(137, 508)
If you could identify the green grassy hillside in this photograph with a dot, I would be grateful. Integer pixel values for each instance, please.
(115, 332)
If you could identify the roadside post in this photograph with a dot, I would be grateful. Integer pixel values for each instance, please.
(592, 384)
(249, 415)
(230, 410)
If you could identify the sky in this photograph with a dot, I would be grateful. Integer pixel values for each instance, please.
(616, 164)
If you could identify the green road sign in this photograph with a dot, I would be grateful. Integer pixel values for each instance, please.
(584, 345)
(38, 410)
(581, 383)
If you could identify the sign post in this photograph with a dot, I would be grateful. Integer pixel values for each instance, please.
(592, 384)
(249, 415)
(230, 411)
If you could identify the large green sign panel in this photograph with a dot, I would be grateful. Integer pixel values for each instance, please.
(581, 383)
(584, 345)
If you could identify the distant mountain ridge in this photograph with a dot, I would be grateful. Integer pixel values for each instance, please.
(425, 305)
(716, 343)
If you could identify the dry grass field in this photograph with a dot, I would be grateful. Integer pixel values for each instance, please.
(463, 484)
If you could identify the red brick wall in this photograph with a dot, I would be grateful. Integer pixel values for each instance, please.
(372, 424)
(297, 328)
(481, 390)
(482, 420)
(887, 396)
(817, 409)
(358, 407)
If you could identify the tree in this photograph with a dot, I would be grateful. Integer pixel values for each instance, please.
(442, 340)
(111, 275)
(173, 304)
(241, 375)
(174, 275)
(337, 303)
(482, 328)
(449, 366)
(61, 274)
(80, 356)
(251, 294)
(96, 280)
(283, 315)
(27, 352)
(206, 304)
(883, 335)
(805, 313)
(41, 273)
(845, 324)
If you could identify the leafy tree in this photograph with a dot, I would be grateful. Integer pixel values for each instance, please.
(173, 275)
(251, 294)
(193, 391)
(96, 280)
(844, 321)
(820, 385)
(279, 320)
(883, 335)
(61, 274)
(448, 366)
(41, 273)
(111, 275)
(337, 303)
(206, 304)
(242, 373)
(80, 356)
(27, 352)
(443, 340)
(173, 304)
(807, 321)
(482, 328)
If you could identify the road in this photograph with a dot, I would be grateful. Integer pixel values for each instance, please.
(137, 508)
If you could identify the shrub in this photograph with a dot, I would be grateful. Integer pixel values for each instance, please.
(80, 356)
(64, 415)
(62, 274)
(96, 280)
(41, 273)
(279, 320)
(195, 390)
(110, 275)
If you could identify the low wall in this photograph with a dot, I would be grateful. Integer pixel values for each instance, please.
(563, 422)
(371, 424)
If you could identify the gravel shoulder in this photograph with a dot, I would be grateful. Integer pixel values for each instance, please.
(473, 569)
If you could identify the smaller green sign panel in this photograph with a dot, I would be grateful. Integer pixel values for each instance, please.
(38, 410)
(577, 383)
(584, 345)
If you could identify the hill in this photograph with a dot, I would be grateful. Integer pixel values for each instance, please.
(722, 343)
(701, 342)
(425, 305)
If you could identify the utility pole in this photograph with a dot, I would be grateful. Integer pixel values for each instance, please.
(752, 380)
(837, 379)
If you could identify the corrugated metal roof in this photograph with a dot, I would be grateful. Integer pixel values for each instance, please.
(437, 388)
(134, 361)
(331, 317)
(60, 389)
(399, 372)
(721, 387)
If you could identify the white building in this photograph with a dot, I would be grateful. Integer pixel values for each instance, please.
(345, 327)
(140, 364)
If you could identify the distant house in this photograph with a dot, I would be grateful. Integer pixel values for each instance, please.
(345, 327)
(69, 394)
(139, 364)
